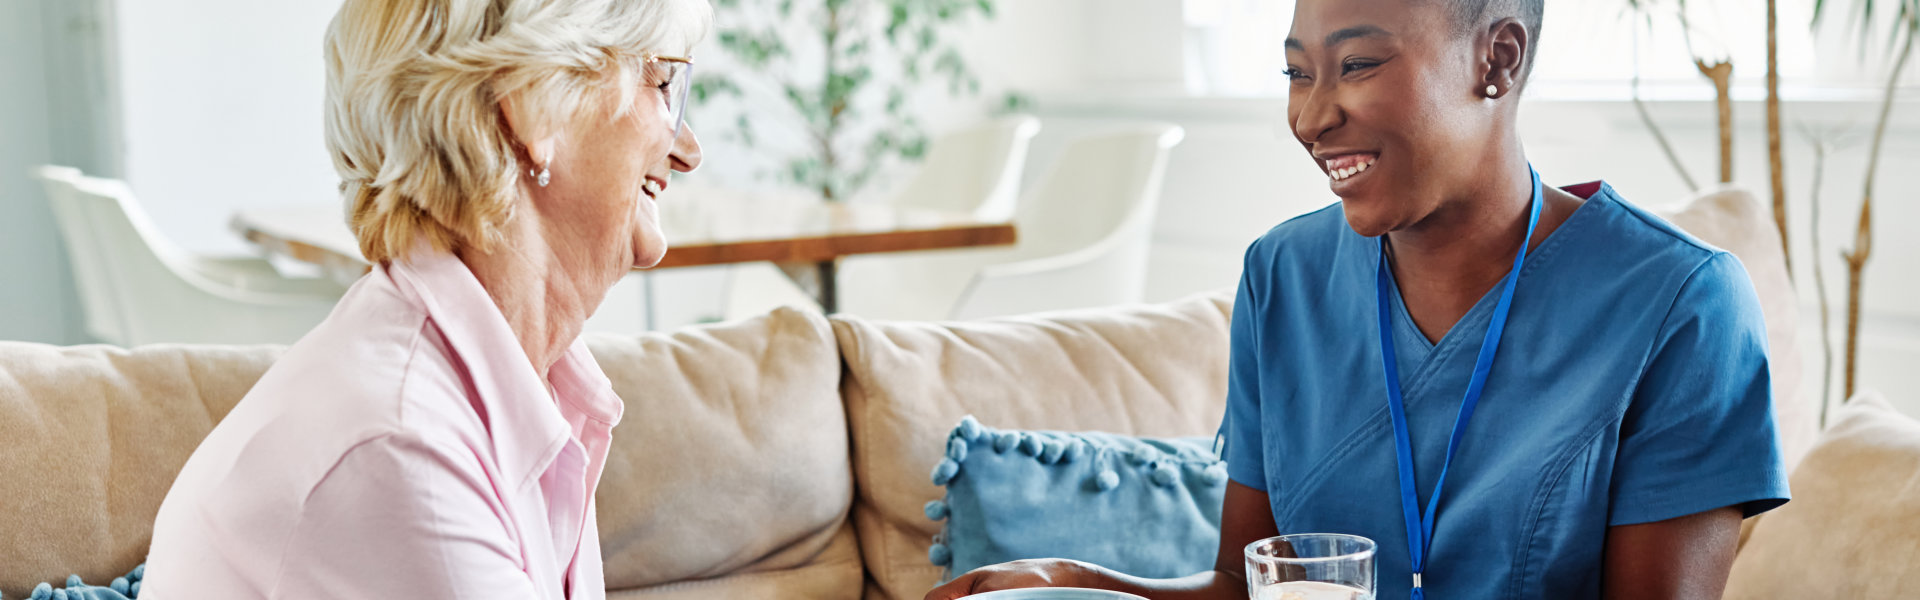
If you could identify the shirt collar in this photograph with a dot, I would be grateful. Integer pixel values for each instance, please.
(526, 426)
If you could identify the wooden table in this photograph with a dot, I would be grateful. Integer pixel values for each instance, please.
(704, 226)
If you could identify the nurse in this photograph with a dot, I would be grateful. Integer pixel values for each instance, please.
(1517, 390)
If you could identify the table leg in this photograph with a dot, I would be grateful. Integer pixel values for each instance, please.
(646, 298)
(829, 286)
(818, 279)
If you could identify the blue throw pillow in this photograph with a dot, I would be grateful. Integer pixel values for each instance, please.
(1148, 507)
(122, 588)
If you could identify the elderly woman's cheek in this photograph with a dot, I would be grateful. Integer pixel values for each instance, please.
(649, 242)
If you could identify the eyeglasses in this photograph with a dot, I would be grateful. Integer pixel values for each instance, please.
(677, 82)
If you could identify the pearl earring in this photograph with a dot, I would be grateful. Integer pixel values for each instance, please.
(542, 177)
(1493, 91)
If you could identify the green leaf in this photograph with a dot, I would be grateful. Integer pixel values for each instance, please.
(803, 171)
(896, 100)
(755, 49)
(743, 127)
(915, 148)
(1906, 22)
(897, 19)
(1014, 102)
(882, 143)
(803, 103)
(710, 87)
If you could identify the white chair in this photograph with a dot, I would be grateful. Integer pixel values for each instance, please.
(975, 170)
(1084, 235)
(103, 322)
(156, 292)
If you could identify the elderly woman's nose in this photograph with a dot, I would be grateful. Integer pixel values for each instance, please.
(686, 150)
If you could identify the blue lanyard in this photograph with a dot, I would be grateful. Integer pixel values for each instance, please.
(1420, 528)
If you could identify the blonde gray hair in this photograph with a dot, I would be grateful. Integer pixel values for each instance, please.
(413, 101)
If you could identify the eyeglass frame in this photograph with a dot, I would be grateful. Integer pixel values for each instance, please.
(677, 105)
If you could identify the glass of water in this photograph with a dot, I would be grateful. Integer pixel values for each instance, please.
(1311, 566)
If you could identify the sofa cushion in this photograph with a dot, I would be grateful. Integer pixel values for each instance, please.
(1143, 370)
(731, 465)
(1853, 528)
(1733, 220)
(1145, 506)
(94, 436)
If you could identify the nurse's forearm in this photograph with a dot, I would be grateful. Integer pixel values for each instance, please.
(1210, 585)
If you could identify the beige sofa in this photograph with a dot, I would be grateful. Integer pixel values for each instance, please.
(785, 456)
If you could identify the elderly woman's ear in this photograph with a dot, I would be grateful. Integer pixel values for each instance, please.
(534, 134)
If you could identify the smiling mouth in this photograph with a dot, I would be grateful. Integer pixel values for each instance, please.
(1346, 166)
(653, 189)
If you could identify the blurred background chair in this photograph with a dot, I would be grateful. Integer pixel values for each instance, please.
(103, 321)
(1084, 234)
(139, 288)
(975, 170)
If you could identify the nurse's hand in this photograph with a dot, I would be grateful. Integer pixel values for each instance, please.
(1046, 572)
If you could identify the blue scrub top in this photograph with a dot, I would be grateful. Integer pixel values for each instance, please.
(1631, 387)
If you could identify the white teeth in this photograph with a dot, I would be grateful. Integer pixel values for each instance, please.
(653, 188)
(1340, 174)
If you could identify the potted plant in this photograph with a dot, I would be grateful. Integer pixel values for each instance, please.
(841, 76)
(1905, 26)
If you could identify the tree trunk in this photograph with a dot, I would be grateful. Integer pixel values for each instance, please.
(1820, 280)
(830, 131)
(1863, 235)
(1774, 158)
(1856, 265)
(1721, 72)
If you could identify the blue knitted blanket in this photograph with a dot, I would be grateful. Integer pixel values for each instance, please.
(122, 588)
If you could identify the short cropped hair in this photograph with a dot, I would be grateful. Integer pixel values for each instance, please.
(413, 121)
(1469, 15)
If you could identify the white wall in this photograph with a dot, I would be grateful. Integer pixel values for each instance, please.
(222, 104)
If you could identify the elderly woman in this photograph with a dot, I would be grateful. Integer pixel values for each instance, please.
(441, 434)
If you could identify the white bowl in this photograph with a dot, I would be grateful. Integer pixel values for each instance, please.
(1054, 594)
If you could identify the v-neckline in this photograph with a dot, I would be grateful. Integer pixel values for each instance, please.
(1431, 350)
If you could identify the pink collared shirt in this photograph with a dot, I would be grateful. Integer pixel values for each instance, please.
(405, 448)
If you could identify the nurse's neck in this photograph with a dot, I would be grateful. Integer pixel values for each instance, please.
(1448, 260)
